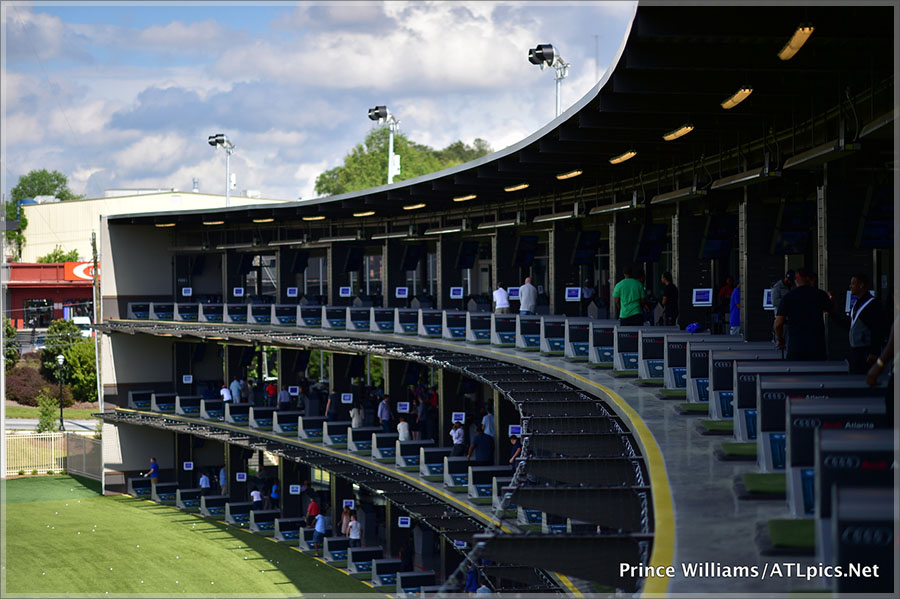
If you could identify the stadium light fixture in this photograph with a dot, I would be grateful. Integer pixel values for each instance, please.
(796, 42)
(220, 139)
(611, 208)
(337, 239)
(545, 218)
(60, 360)
(623, 157)
(737, 97)
(518, 187)
(569, 175)
(395, 235)
(680, 132)
(545, 55)
(498, 224)
(444, 230)
(382, 115)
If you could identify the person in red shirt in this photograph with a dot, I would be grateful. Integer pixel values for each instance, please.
(312, 510)
(271, 391)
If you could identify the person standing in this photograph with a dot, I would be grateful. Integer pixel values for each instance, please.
(630, 298)
(483, 448)
(734, 311)
(669, 301)
(345, 521)
(403, 429)
(516, 450)
(271, 390)
(501, 300)
(356, 414)
(319, 533)
(458, 435)
(223, 481)
(866, 323)
(284, 399)
(487, 422)
(781, 288)
(256, 498)
(235, 389)
(527, 297)
(384, 414)
(354, 530)
(801, 310)
(274, 496)
(204, 484)
(245, 391)
(153, 473)
(225, 393)
(312, 511)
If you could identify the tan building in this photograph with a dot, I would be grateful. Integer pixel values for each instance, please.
(70, 224)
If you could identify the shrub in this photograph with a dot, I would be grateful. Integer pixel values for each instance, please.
(61, 335)
(24, 383)
(81, 370)
(21, 473)
(48, 411)
(34, 473)
(49, 472)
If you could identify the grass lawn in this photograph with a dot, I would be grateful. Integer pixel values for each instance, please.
(29, 412)
(62, 537)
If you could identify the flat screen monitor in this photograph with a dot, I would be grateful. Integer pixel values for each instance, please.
(790, 242)
(850, 301)
(346, 398)
(468, 252)
(240, 477)
(767, 300)
(294, 390)
(458, 417)
(513, 293)
(456, 293)
(702, 297)
(652, 240)
(573, 294)
(455, 319)
(189, 465)
(350, 503)
(187, 291)
(526, 246)
(403, 407)
(404, 521)
(238, 292)
(515, 430)
(431, 317)
(292, 291)
(294, 489)
(187, 379)
(401, 292)
(345, 292)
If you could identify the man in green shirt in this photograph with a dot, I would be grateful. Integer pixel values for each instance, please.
(630, 298)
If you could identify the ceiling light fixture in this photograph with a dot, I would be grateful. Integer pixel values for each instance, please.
(518, 187)
(545, 218)
(623, 157)
(363, 214)
(796, 42)
(680, 132)
(337, 239)
(498, 224)
(471, 196)
(259, 221)
(413, 206)
(611, 208)
(233, 246)
(397, 235)
(443, 230)
(312, 218)
(286, 242)
(210, 223)
(738, 97)
(569, 175)
(161, 225)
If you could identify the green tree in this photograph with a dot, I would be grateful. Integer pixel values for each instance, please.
(48, 412)
(61, 336)
(59, 255)
(10, 346)
(366, 164)
(35, 183)
(81, 370)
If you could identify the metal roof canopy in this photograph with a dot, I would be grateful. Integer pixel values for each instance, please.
(675, 66)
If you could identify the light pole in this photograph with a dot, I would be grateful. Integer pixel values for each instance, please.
(382, 114)
(60, 360)
(219, 139)
(545, 55)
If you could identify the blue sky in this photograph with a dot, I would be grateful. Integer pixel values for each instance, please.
(125, 95)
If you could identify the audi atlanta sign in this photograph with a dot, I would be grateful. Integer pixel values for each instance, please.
(80, 271)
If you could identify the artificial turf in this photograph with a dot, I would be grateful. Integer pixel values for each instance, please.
(62, 537)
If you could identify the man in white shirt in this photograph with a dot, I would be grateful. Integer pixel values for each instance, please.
(501, 300)
(204, 484)
(527, 297)
(354, 530)
(403, 429)
(458, 434)
(488, 422)
(225, 393)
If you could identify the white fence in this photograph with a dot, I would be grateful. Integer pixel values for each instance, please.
(42, 452)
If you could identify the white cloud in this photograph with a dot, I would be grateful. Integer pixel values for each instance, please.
(306, 174)
(153, 153)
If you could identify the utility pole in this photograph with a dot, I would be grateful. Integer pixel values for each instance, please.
(95, 272)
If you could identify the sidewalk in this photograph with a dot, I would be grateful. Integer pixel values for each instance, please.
(30, 424)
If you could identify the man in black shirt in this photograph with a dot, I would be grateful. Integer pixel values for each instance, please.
(802, 310)
(669, 301)
(866, 324)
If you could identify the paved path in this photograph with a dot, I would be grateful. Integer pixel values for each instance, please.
(31, 424)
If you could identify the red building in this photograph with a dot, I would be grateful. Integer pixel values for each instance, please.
(47, 292)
